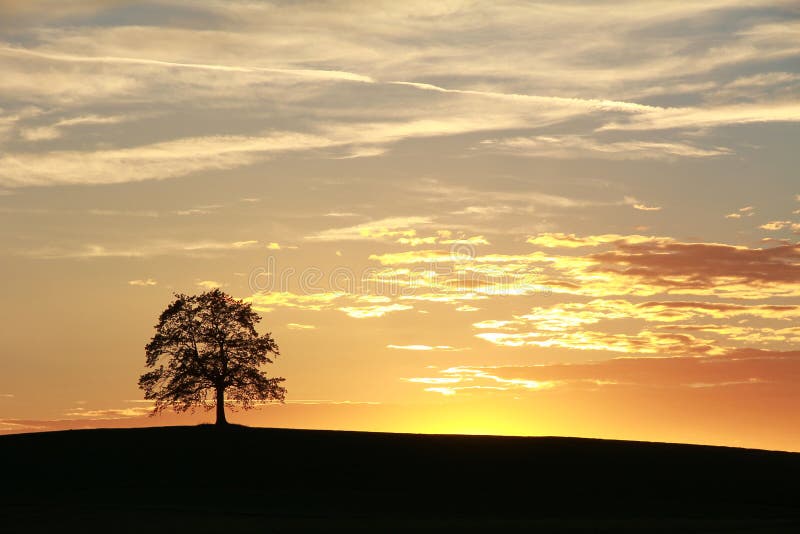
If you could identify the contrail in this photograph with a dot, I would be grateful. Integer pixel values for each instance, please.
(310, 73)
(595, 104)
(604, 105)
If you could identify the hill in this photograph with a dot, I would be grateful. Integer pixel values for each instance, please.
(200, 479)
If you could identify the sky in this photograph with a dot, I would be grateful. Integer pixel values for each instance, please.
(526, 218)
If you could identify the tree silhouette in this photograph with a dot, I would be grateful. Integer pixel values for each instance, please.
(206, 352)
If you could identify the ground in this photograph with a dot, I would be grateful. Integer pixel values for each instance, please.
(202, 479)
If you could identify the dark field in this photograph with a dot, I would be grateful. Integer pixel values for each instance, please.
(200, 479)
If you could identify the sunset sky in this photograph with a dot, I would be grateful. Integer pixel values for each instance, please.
(533, 218)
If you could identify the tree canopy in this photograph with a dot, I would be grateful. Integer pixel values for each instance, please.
(205, 353)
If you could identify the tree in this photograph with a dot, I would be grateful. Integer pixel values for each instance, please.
(206, 352)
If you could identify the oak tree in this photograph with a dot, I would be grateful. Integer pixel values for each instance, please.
(205, 353)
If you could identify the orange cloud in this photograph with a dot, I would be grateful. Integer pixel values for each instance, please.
(422, 347)
(564, 325)
(458, 379)
(268, 301)
(747, 367)
(555, 240)
(780, 225)
(629, 265)
(702, 268)
(375, 310)
(644, 342)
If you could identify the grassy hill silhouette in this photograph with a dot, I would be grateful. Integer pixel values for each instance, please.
(201, 479)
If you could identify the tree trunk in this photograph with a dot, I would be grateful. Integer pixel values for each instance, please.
(221, 421)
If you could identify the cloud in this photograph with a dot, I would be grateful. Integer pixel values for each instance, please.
(123, 213)
(415, 256)
(465, 379)
(643, 342)
(448, 292)
(747, 211)
(494, 200)
(179, 69)
(780, 225)
(300, 326)
(109, 413)
(142, 282)
(745, 368)
(320, 74)
(680, 310)
(391, 227)
(645, 207)
(341, 214)
(560, 240)
(442, 237)
(208, 284)
(742, 334)
(331, 402)
(574, 146)
(156, 161)
(586, 104)
(199, 210)
(697, 268)
(638, 205)
(360, 306)
(684, 118)
(568, 326)
(149, 249)
(269, 301)
(28, 11)
(17, 425)
(140, 408)
(8, 121)
(763, 79)
(375, 310)
(623, 265)
(364, 152)
(423, 347)
(55, 130)
(663, 265)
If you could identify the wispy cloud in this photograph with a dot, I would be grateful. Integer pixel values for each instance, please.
(55, 130)
(575, 326)
(424, 348)
(780, 225)
(740, 369)
(428, 90)
(148, 162)
(153, 248)
(709, 117)
(624, 265)
(373, 310)
(306, 73)
(300, 326)
(142, 282)
(641, 206)
(465, 379)
(579, 103)
(391, 227)
(571, 146)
